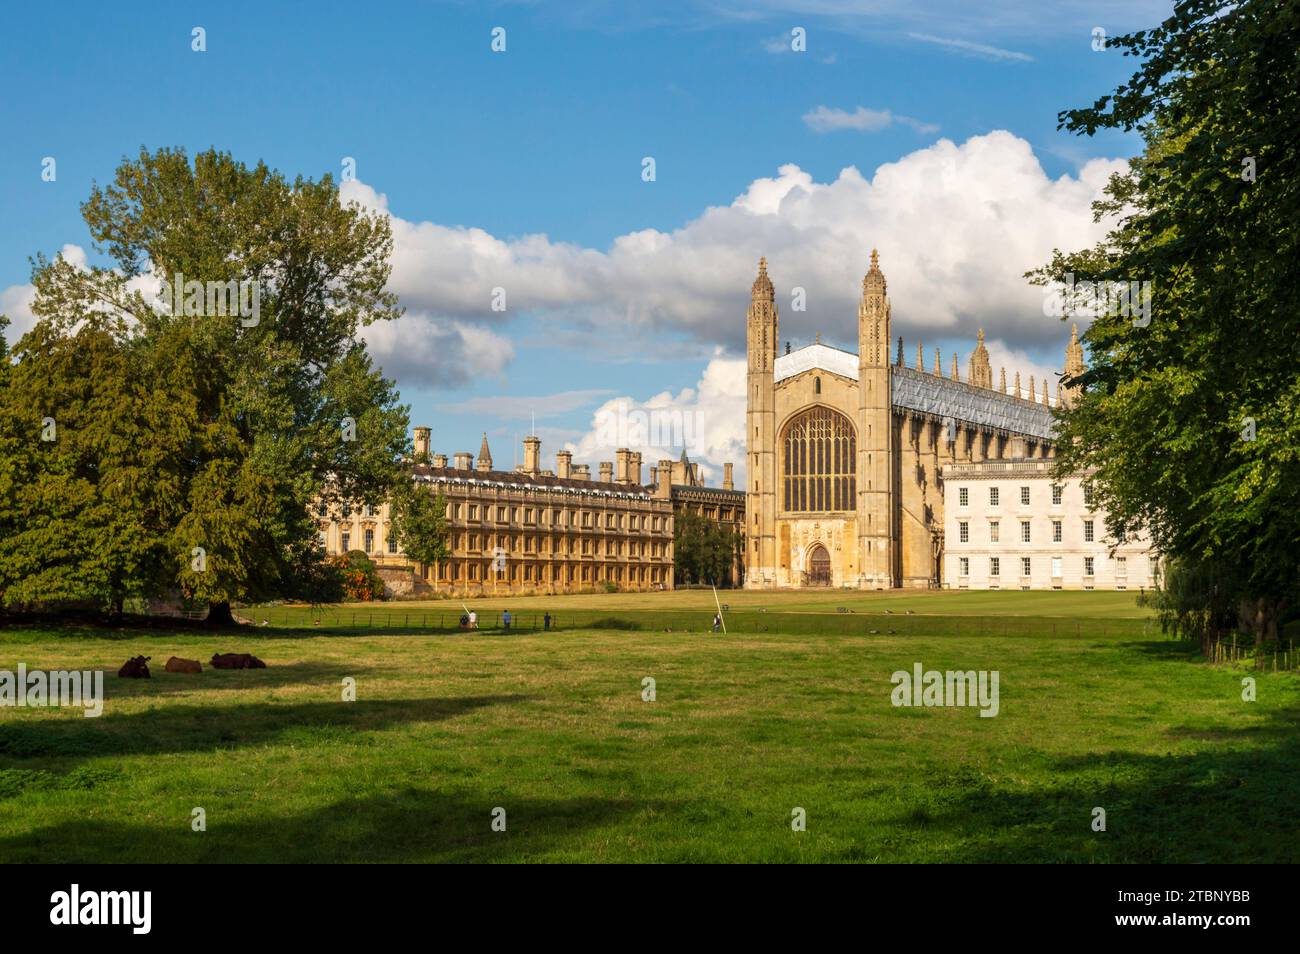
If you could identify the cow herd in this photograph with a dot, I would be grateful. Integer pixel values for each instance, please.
(137, 667)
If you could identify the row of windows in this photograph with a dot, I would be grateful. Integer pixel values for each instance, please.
(1026, 535)
(543, 544)
(558, 517)
(1026, 566)
(527, 544)
(471, 571)
(553, 517)
(1058, 493)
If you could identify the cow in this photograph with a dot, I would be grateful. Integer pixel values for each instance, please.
(176, 664)
(236, 661)
(135, 668)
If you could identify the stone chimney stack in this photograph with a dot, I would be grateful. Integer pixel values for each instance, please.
(422, 435)
(622, 458)
(606, 472)
(439, 460)
(564, 464)
(727, 483)
(653, 471)
(664, 479)
(532, 455)
(634, 467)
(464, 460)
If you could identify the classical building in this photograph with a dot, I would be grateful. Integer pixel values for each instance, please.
(537, 531)
(1009, 525)
(850, 454)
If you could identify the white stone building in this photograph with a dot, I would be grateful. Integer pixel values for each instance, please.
(1009, 525)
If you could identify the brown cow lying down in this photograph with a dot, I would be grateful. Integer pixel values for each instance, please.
(135, 668)
(176, 664)
(237, 661)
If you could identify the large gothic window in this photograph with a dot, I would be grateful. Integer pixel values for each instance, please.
(819, 453)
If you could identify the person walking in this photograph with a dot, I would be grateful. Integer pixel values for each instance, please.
(505, 619)
(546, 622)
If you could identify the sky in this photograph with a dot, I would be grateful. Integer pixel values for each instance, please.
(550, 282)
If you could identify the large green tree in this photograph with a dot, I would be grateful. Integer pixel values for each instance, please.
(1191, 421)
(268, 408)
(419, 520)
(703, 549)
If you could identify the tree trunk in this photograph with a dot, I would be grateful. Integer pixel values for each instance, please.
(1259, 617)
(219, 614)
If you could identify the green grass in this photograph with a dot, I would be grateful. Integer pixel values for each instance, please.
(745, 728)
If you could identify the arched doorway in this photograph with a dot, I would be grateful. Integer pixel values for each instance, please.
(819, 566)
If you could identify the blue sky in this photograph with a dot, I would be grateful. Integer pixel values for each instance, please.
(547, 139)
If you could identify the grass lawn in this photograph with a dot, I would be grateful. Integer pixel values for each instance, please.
(745, 728)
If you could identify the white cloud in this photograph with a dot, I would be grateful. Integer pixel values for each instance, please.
(971, 48)
(708, 420)
(957, 225)
(827, 119)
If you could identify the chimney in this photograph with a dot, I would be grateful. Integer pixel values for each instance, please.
(622, 457)
(664, 481)
(564, 464)
(727, 483)
(634, 465)
(653, 471)
(532, 454)
(422, 435)
(439, 460)
(464, 460)
(582, 471)
(606, 472)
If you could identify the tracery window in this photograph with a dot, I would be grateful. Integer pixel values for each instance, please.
(819, 454)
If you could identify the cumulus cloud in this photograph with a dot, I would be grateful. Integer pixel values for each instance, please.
(707, 420)
(957, 225)
(825, 119)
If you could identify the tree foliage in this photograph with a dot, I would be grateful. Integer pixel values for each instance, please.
(419, 521)
(189, 445)
(1191, 424)
(703, 549)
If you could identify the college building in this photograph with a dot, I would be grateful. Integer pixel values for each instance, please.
(852, 461)
(531, 530)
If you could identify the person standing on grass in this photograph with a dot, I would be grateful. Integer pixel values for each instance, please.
(546, 622)
(505, 619)
(717, 622)
(473, 619)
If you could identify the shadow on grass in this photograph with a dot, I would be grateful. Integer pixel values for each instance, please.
(1230, 803)
(406, 825)
(196, 728)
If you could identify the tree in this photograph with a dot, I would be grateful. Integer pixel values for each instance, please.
(1190, 424)
(703, 550)
(272, 403)
(419, 522)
